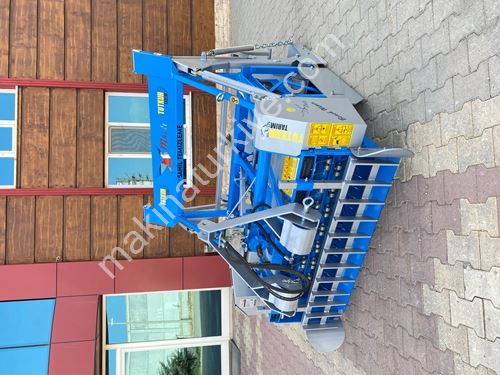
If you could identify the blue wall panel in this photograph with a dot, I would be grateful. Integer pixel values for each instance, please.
(26, 323)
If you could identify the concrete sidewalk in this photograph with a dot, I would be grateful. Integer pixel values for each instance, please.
(428, 298)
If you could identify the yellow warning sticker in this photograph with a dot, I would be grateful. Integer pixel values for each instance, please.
(289, 171)
(163, 196)
(323, 134)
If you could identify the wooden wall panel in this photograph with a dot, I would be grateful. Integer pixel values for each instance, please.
(199, 246)
(205, 135)
(49, 229)
(155, 20)
(103, 226)
(61, 132)
(62, 149)
(4, 40)
(129, 38)
(181, 242)
(23, 38)
(203, 26)
(90, 139)
(3, 224)
(76, 228)
(179, 27)
(159, 246)
(51, 39)
(78, 40)
(129, 207)
(20, 230)
(34, 151)
(104, 43)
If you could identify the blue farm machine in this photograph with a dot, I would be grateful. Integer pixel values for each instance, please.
(304, 186)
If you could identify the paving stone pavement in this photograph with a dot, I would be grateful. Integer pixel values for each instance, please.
(428, 297)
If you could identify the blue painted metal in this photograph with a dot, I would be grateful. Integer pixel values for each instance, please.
(166, 81)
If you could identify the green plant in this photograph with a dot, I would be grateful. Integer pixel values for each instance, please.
(183, 362)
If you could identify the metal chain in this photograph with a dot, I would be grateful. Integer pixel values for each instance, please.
(279, 43)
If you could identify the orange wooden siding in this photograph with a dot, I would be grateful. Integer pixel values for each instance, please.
(61, 132)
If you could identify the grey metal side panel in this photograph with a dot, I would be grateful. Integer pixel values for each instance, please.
(235, 356)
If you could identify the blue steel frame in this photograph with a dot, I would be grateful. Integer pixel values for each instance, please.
(165, 86)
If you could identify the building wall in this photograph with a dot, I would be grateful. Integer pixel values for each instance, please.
(76, 342)
(61, 131)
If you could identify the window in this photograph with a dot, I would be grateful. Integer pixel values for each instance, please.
(128, 144)
(8, 130)
(25, 331)
(147, 332)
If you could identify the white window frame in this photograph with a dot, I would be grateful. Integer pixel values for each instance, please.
(188, 147)
(223, 340)
(12, 124)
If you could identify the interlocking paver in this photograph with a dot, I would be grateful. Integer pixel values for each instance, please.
(453, 338)
(491, 321)
(446, 217)
(456, 124)
(483, 284)
(421, 24)
(449, 277)
(472, 86)
(401, 90)
(430, 73)
(436, 302)
(424, 79)
(424, 134)
(443, 158)
(435, 43)
(479, 216)
(489, 251)
(413, 110)
(424, 326)
(441, 99)
(496, 144)
(484, 45)
(437, 361)
(463, 368)
(494, 70)
(467, 313)
(397, 42)
(459, 185)
(422, 272)
(484, 352)
(463, 248)
(434, 246)
(476, 151)
(453, 63)
(414, 348)
(470, 20)
(442, 9)
(485, 115)
(487, 182)
(431, 189)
